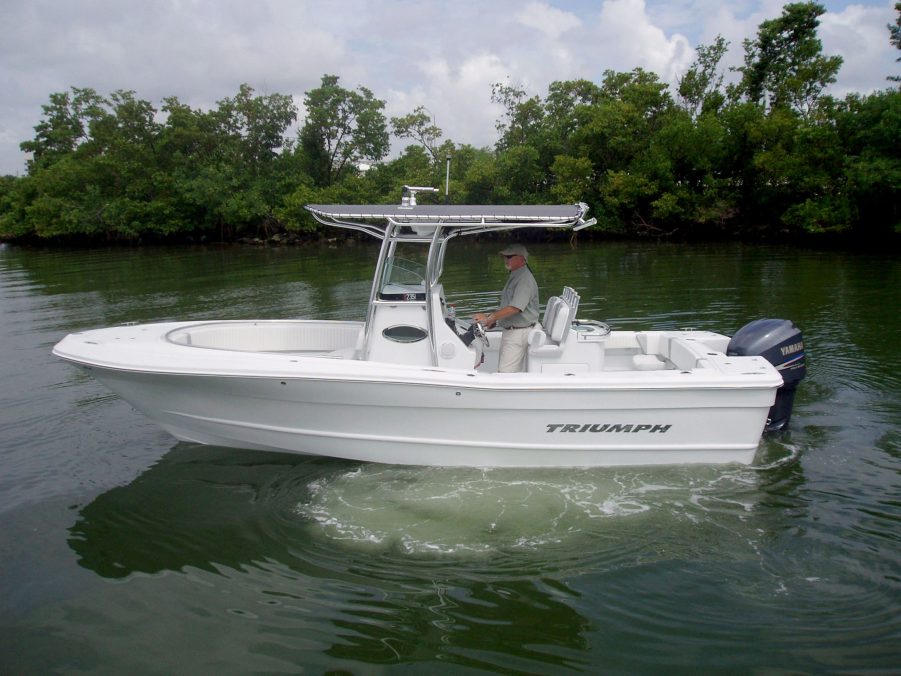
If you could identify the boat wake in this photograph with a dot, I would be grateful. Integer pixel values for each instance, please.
(458, 511)
(238, 509)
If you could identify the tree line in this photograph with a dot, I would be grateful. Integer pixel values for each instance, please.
(767, 154)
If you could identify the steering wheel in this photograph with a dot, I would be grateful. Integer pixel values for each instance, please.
(478, 330)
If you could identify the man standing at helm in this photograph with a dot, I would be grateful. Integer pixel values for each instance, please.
(518, 312)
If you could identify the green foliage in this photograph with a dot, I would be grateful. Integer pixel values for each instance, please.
(104, 167)
(480, 182)
(784, 66)
(771, 155)
(574, 178)
(418, 126)
(522, 116)
(701, 88)
(66, 125)
(343, 128)
(870, 132)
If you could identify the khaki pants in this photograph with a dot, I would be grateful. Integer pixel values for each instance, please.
(514, 343)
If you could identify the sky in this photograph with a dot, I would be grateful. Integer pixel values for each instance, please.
(442, 54)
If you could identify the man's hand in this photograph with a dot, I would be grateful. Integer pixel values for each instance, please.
(485, 320)
(490, 320)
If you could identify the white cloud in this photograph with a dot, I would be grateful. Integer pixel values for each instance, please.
(443, 54)
(548, 20)
(627, 38)
(457, 97)
(859, 35)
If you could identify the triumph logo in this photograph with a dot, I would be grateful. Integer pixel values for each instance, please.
(609, 427)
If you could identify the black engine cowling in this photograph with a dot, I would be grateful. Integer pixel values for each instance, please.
(780, 342)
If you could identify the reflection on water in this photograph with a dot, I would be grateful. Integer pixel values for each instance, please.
(118, 551)
(481, 568)
(407, 560)
(206, 507)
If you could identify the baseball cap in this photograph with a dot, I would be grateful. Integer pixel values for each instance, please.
(515, 250)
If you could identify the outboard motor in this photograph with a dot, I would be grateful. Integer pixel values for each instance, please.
(780, 342)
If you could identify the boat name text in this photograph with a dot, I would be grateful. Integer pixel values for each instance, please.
(608, 427)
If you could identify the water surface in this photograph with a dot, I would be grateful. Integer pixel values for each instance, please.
(122, 550)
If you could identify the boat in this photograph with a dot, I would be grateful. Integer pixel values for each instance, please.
(413, 385)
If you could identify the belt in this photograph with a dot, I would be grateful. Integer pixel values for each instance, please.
(507, 328)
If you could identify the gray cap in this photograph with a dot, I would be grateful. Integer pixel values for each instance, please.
(515, 250)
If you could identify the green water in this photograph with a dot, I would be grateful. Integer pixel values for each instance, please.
(122, 551)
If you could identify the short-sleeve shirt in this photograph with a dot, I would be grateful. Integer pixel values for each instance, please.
(520, 291)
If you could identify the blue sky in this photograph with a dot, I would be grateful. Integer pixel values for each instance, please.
(442, 55)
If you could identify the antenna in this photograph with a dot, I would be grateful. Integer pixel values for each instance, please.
(447, 181)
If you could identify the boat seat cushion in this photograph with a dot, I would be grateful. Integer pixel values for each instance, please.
(560, 325)
(553, 306)
(539, 335)
(537, 338)
(653, 343)
(559, 314)
(648, 362)
(571, 298)
(683, 356)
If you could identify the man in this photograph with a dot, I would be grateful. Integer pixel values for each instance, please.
(518, 312)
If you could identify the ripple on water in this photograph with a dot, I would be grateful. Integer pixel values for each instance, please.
(601, 518)
(368, 546)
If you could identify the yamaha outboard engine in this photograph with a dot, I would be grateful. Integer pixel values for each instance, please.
(780, 342)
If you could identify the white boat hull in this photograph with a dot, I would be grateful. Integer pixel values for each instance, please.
(367, 411)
